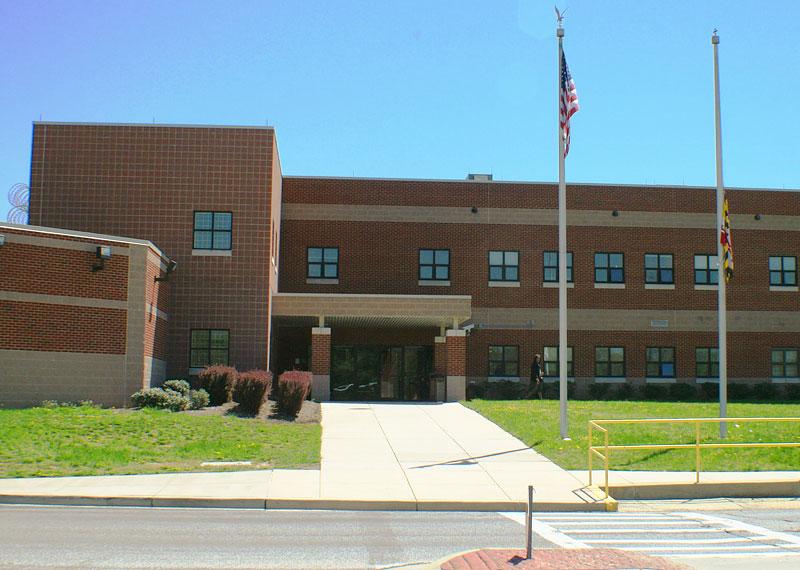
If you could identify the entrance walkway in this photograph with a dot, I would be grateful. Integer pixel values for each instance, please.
(438, 456)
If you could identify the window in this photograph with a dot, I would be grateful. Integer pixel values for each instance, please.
(660, 362)
(609, 361)
(212, 230)
(550, 362)
(783, 271)
(706, 362)
(551, 267)
(784, 363)
(323, 263)
(706, 269)
(434, 264)
(658, 268)
(609, 268)
(503, 266)
(209, 346)
(503, 361)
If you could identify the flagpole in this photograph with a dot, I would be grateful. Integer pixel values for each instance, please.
(721, 277)
(562, 257)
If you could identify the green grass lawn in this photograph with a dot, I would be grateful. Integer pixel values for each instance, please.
(92, 441)
(536, 423)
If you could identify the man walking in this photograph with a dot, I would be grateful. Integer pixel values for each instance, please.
(535, 386)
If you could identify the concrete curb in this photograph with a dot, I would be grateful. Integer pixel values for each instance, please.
(710, 490)
(306, 504)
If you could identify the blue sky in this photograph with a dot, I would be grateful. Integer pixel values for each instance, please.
(422, 89)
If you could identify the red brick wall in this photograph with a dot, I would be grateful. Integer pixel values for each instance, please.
(145, 182)
(456, 356)
(156, 329)
(440, 358)
(61, 328)
(321, 354)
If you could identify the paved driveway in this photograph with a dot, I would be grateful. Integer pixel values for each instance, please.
(436, 454)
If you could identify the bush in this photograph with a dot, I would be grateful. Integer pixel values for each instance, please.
(506, 390)
(793, 392)
(252, 390)
(654, 392)
(198, 399)
(623, 392)
(681, 392)
(764, 391)
(598, 391)
(179, 386)
(218, 381)
(162, 399)
(739, 391)
(476, 391)
(293, 387)
(52, 404)
(710, 390)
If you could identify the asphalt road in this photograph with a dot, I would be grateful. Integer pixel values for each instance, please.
(132, 538)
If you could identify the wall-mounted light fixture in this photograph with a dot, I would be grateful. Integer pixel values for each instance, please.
(615, 213)
(474, 209)
(758, 216)
(101, 252)
(171, 266)
(2, 240)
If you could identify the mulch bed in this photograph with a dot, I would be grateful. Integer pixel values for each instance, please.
(559, 559)
(310, 413)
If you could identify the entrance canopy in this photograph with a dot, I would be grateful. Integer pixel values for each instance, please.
(373, 310)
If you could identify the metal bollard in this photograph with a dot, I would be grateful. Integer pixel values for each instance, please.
(529, 525)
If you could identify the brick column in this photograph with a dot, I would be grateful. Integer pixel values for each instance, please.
(440, 355)
(456, 343)
(321, 363)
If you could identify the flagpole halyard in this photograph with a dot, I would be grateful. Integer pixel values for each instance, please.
(722, 276)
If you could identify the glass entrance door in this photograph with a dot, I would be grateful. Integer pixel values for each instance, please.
(380, 372)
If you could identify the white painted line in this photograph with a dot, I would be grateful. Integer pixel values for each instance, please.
(693, 548)
(615, 523)
(600, 518)
(546, 531)
(734, 555)
(742, 526)
(650, 530)
(673, 541)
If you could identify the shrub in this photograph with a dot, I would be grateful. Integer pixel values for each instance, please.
(506, 390)
(163, 399)
(654, 392)
(739, 391)
(179, 386)
(252, 390)
(198, 399)
(793, 392)
(218, 381)
(710, 390)
(764, 391)
(51, 404)
(681, 392)
(623, 392)
(476, 390)
(293, 387)
(598, 391)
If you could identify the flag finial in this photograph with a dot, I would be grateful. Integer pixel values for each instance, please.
(715, 37)
(560, 17)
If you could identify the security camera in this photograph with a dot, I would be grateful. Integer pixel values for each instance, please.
(469, 327)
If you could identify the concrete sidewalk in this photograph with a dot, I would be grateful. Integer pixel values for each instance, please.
(647, 485)
(374, 456)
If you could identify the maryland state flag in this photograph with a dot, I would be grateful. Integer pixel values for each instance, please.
(727, 244)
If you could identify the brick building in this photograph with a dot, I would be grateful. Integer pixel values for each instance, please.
(375, 284)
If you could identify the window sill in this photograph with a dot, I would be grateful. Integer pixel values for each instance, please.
(609, 285)
(658, 380)
(662, 286)
(705, 287)
(610, 379)
(195, 371)
(433, 283)
(554, 284)
(503, 379)
(788, 288)
(785, 380)
(212, 252)
(503, 283)
(708, 380)
(321, 281)
(556, 379)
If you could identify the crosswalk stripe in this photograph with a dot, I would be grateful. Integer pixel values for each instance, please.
(742, 526)
(672, 541)
(650, 530)
(694, 548)
(614, 523)
(732, 555)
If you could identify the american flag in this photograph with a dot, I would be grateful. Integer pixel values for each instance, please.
(727, 243)
(568, 102)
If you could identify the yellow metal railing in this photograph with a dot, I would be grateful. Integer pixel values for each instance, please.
(697, 445)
